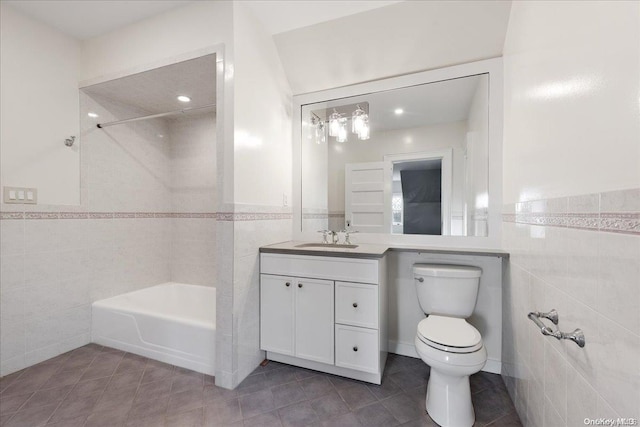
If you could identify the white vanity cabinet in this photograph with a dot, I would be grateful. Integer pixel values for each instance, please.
(325, 313)
(296, 317)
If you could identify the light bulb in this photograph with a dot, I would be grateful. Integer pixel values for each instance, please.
(334, 123)
(365, 130)
(357, 120)
(342, 131)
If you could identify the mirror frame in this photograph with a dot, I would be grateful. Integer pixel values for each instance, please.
(492, 67)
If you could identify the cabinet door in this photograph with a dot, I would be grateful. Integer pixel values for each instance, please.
(276, 314)
(314, 320)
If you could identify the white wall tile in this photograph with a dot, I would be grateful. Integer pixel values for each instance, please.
(13, 240)
(618, 283)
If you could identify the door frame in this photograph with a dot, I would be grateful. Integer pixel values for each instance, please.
(446, 155)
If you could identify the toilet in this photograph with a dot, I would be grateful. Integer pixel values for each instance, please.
(446, 342)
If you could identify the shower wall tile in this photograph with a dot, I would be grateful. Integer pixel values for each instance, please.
(561, 258)
(56, 260)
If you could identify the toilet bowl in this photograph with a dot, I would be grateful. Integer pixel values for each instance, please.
(447, 342)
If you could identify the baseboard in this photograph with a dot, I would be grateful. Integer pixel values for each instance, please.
(403, 349)
(493, 366)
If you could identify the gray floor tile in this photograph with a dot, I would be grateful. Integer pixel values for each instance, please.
(13, 403)
(34, 417)
(403, 408)
(329, 405)
(192, 418)
(47, 397)
(357, 396)
(270, 419)
(107, 387)
(149, 408)
(222, 412)
(286, 394)
(316, 386)
(375, 415)
(346, 420)
(213, 392)
(297, 415)
(185, 401)
(256, 403)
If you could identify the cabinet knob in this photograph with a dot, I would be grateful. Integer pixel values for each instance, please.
(287, 284)
(355, 305)
(299, 285)
(355, 348)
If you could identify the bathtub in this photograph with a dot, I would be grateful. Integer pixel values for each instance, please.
(172, 322)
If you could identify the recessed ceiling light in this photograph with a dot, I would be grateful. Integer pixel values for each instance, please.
(92, 115)
(183, 98)
(398, 111)
(160, 135)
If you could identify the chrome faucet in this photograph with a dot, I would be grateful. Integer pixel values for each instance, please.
(334, 237)
(346, 236)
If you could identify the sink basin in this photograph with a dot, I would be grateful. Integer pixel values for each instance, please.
(326, 245)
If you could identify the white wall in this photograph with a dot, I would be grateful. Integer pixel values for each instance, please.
(572, 160)
(558, 82)
(393, 40)
(39, 70)
(262, 176)
(262, 115)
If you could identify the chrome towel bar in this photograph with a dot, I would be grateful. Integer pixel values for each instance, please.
(576, 336)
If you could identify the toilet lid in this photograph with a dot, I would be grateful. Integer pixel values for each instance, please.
(449, 332)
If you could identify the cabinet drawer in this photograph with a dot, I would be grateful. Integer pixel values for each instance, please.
(357, 304)
(357, 348)
(332, 268)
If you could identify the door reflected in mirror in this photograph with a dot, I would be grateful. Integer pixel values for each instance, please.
(412, 160)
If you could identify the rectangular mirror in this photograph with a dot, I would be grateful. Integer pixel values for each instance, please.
(412, 160)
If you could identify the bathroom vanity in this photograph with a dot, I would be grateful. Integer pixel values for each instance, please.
(340, 309)
(325, 310)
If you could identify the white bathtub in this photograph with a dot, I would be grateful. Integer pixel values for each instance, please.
(172, 322)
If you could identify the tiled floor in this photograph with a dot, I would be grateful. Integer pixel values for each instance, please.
(97, 386)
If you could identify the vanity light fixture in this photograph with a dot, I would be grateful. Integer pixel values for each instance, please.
(365, 131)
(184, 98)
(357, 120)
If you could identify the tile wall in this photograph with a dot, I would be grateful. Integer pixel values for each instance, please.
(581, 256)
(147, 217)
(238, 316)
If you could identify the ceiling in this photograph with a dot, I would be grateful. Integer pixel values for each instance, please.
(155, 91)
(423, 105)
(279, 16)
(91, 18)
(87, 19)
(396, 39)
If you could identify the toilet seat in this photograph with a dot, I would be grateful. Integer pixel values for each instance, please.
(449, 334)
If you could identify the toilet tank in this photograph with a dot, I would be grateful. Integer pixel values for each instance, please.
(447, 290)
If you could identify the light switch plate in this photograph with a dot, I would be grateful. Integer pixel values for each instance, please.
(29, 195)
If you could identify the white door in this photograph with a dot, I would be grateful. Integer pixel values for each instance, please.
(368, 196)
(314, 320)
(276, 314)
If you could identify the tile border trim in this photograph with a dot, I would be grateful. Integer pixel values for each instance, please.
(220, 216)
(612, 222)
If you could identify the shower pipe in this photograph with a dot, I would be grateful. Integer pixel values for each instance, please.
(155, 116)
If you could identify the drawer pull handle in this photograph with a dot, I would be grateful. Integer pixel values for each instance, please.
(355, 305)
(299, 285)
(287, 284)
(355, 348)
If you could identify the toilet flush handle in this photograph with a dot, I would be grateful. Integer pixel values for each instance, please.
(420, 279)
